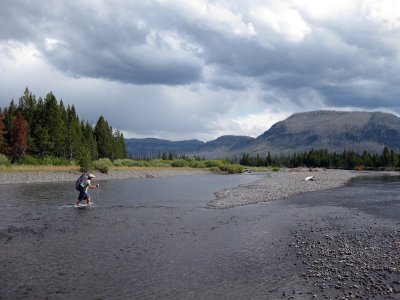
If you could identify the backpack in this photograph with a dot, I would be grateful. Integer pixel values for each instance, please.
(80, 180)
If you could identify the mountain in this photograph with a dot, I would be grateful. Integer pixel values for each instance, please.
(223, 146)
(152, 147)
(332, 130)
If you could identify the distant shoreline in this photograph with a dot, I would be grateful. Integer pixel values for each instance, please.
(283, 184)
(27, 177)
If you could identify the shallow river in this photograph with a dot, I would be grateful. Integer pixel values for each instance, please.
(155, 238)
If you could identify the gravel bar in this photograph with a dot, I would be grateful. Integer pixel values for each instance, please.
(279, 185)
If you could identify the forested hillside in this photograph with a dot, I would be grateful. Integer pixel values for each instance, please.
(44, 127)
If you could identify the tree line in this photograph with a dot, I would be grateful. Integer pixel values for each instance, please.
(169, 155)
(348, 159)
(45, 127)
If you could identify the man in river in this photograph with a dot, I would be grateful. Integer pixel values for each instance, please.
(85, 184)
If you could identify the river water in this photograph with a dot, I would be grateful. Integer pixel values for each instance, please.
(156, 239)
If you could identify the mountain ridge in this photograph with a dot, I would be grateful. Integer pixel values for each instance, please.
(321, 129)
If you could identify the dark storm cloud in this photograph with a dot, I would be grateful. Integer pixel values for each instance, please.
(345, 58)
(100, 43)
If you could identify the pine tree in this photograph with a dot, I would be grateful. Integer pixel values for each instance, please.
(10, 113)
(19, 137)
(119, 148)
(393, 159)
(74, 136)
(103, 138)
(3, 142)
(28, 105)
(55, 126)
(385, 160)
(89, 140)
(40, 138)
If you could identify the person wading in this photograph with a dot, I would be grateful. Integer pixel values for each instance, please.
(83, 184)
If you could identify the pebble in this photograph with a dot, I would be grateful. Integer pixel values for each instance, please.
(359, 265)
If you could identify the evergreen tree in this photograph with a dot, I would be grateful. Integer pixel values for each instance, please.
(55, 126)
(164, 156)
(57, 131)
(269, 159)
(394, 160)
(74, 136)
(42, 141)
(39, 136)
(28, 105)
(89, 140)
(170, 156)
(366, 158)
(19, 137)
(245, 160)
(3, 142)
(104, 140)
(119, 148)
(385, 160)
(10, 113)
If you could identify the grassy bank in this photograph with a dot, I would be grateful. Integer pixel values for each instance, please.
(106, 165)
(38, 168)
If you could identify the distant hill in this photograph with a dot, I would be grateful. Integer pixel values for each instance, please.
(224, 146)
(332, 130)
(152, 147)
(220, 146)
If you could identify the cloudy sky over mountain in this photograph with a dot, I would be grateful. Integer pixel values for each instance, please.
(179, 69)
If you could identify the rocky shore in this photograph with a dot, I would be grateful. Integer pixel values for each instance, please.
(342, 264)
(280, 185)
(36, 177)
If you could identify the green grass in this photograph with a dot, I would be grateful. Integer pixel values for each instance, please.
(4, 161)
(104, 165)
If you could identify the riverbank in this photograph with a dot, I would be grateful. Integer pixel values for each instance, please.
(280, 185)
(24, 177)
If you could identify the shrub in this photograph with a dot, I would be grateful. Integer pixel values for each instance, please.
(231, 168)
(179, 163)
(103, 165)
(29, 160)
(223, 166)
(212, 163)
(4, 161)
(124, 163)
(197, 164)
(215, 169)
(84, 161)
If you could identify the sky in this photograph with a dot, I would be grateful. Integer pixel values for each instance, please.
(200, 69)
